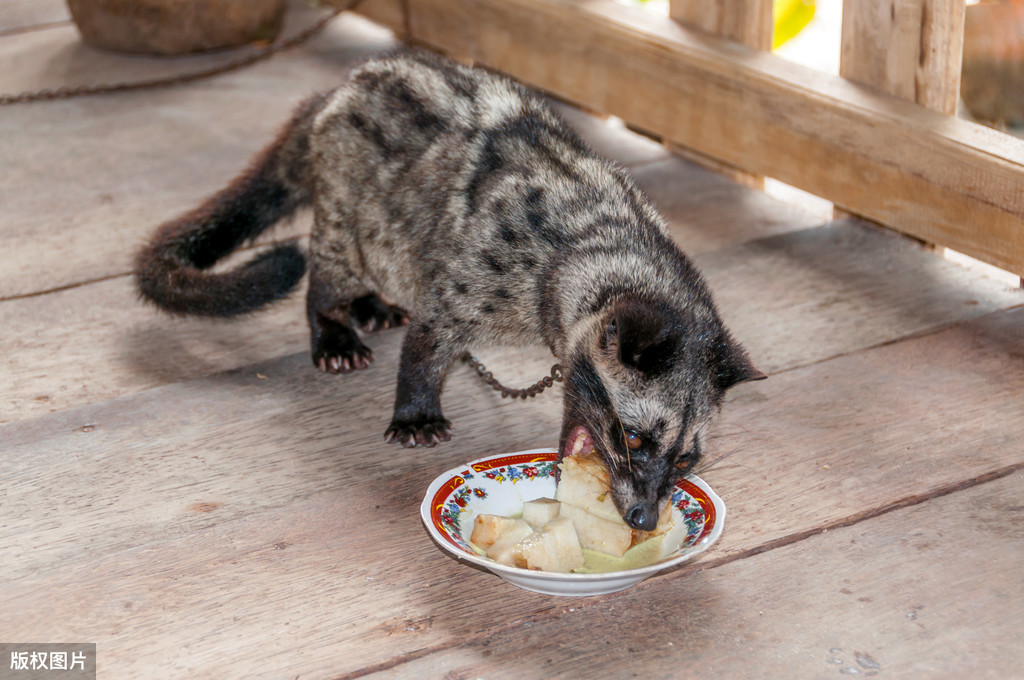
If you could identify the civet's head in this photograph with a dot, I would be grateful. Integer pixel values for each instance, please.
(642, 381)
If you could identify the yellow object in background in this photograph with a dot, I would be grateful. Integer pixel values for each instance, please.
(790, 18)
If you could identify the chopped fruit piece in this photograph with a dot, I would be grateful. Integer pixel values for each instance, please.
(595, 533)
(487, 528)
(584, 483)
(554, 548)
(507, 548)
(552, 534)
(539, 512)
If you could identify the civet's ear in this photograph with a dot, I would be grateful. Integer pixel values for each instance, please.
(732, 364)
(643, 335)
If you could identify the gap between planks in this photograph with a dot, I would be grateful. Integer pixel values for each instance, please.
(120, 275)
(67, 286)
(780, 542)
(32, 29)
(912, 335)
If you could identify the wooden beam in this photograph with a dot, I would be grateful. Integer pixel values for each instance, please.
(937, 178)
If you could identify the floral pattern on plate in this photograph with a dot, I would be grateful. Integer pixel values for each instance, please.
(481, 480)
(693, 514)
(516, 473)
(501, 484)
(507, 470)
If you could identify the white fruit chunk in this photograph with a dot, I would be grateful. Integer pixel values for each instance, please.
(586, 499)
(539, 512)
(487, 528)
(554, 548)
(596, 533)
(584, 483)
(507, 548)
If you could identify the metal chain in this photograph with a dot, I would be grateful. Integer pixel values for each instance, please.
(82, 90)
(510, 392)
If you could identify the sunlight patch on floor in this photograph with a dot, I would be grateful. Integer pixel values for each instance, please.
(1001, 275)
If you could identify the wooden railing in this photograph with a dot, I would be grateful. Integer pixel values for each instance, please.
(878, 141)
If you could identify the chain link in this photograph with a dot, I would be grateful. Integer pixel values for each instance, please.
(510, 392)
(169, 81)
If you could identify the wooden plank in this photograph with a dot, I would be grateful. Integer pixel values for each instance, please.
(206, 509)
(807, 296)
(124, 163)
(940, 179)
(235, 440)
(883, 598)
(707, 212)
(22, 15)
(98, 341)
(912, 49)
(844, 286)
(57, 57)
(234, 526)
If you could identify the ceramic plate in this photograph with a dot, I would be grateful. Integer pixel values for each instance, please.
(501, 484)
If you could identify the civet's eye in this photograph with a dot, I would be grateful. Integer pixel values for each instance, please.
(633, 441)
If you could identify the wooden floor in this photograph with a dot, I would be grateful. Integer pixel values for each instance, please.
(201, 503)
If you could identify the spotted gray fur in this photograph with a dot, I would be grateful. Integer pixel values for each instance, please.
(456, 201)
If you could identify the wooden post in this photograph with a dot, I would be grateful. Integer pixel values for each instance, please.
(912, 49)
(744, 21)
(909, 48)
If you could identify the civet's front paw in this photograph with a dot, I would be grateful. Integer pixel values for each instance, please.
(424, 431)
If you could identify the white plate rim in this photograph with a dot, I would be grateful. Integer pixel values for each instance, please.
(639, 572)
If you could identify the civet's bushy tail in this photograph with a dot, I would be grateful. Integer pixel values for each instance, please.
(173, 270)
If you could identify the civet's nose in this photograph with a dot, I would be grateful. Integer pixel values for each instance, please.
(642, 517)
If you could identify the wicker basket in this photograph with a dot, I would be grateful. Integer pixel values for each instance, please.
(993, 77)
(171, 27)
